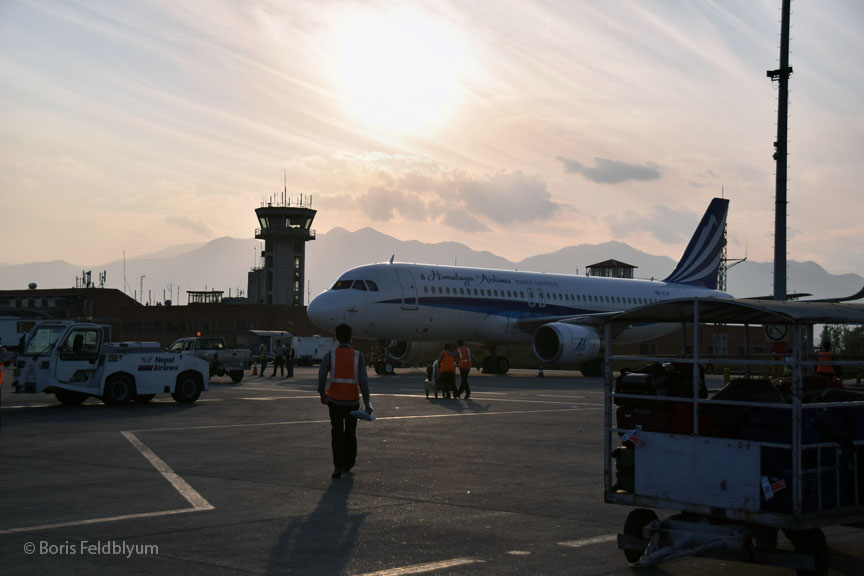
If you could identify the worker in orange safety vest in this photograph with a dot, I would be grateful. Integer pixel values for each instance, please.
(447, 370)
(463, 359)
(342, 379)
(825, 361)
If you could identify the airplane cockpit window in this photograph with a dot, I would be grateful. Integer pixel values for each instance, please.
(342, 284)
(359, 285)
(372, 286)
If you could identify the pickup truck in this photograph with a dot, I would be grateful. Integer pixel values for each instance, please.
(222, 360)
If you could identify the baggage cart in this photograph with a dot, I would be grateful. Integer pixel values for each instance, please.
(757, 458)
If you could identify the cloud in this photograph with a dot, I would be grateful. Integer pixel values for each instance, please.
(667, 225)
(607, 171)
(508, 197)
(197, 226)
(403, 188)
(461, 220)
(382, 204)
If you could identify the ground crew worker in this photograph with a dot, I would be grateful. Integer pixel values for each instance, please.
(825, 361)
(341, 393)
(262, 358)
(463, 358)
(289, 360)
(447, 370)
(279, 359)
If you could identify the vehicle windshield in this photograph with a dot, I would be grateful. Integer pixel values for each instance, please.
(42, 340)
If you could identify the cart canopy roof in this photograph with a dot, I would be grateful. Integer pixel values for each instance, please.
(744, 311)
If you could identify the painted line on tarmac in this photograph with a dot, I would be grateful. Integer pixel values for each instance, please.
(377, 419)
(590, 541)
(423, 568)
(190, 494)
(199, 504)
(98, 520)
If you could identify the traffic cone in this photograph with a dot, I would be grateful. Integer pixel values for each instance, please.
(254, 369)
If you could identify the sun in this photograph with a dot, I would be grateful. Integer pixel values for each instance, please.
(397, 71)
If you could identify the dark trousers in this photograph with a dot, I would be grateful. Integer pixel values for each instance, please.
(279, 362)
(343, 435)
(448, 383)
(463, 385)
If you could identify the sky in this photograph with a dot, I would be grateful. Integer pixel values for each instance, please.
(517, 127)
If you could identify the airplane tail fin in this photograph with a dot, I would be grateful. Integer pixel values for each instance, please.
(701, 260)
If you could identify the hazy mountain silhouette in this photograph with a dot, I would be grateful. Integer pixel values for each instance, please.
(223, 264)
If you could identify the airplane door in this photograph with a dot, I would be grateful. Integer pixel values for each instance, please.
(536, 299)
(79, 352)
(409, 289)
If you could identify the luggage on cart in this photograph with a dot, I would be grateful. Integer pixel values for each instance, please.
(666, 379)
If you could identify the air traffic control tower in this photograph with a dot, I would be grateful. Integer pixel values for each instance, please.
(285, 229)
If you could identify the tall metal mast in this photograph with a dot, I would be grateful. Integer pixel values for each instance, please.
(780, 155)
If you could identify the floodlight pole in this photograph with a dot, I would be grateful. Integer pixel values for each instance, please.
(780, 155)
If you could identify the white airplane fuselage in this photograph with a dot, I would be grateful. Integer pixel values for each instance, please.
(424, 302)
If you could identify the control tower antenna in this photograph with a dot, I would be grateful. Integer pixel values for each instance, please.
(780, 155)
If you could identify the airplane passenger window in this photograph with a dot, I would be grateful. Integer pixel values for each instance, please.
(461, 291)
(440, 290)
(359, 285)
(372, 286)
(475, 292)
(342, 284)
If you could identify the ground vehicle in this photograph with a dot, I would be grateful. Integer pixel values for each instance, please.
(72, 361)
(308, 350)
(788, 458)
(222, 360)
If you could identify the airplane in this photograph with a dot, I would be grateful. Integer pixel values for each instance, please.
(413, 308)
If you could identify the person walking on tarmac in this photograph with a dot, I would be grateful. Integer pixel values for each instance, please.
(341, 392)
(463, 359)
(447, 370)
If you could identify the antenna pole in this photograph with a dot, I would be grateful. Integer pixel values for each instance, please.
(780, 155)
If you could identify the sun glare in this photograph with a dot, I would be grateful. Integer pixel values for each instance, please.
(398, 72)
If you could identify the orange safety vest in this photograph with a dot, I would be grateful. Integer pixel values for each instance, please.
(464, 357)
(344, 370)
(824, 363)
(448, 363)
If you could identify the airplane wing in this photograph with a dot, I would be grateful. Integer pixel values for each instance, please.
(858, 295)
(797, 295)
(596, 320)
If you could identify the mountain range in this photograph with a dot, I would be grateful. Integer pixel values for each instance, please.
(223, 264)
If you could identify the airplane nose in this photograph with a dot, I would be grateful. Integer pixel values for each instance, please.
(321, 313)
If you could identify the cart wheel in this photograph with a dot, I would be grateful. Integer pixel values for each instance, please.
(810, 542)
(636, 521)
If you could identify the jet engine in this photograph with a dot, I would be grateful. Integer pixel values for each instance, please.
(566, 344)
(413, 352)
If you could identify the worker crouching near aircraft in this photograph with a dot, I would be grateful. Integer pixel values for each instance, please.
(341, 393)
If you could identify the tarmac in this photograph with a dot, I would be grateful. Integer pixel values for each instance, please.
(508, 482)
